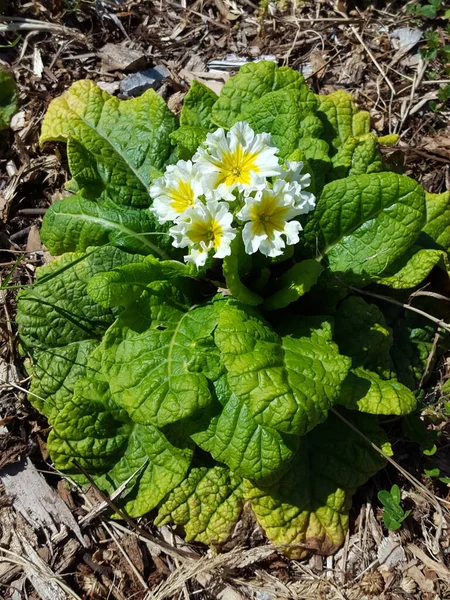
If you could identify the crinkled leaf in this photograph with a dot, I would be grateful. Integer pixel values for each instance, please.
(357, 156)
(197, 106)
(9, 98)
(74, 223)
(366, 222)
(317, 154)
(159, 355)
(208, 503)
(412, 268)
(125, 284)
(341, 118)
(281, 114)
(361, 333)
(187, 139)
(298, 280)
(99, 435)
(287, 383)
(436, 231)
(127, 140)
(235, 267)
(307, 508)
(253, 81)
(367, 392)
(235, 438)
(60, 325)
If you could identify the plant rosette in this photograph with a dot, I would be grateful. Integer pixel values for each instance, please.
(207, 335)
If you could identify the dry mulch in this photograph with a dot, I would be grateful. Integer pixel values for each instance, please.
(64, 545)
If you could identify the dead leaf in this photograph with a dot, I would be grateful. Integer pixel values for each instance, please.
(34, 241)
(118, 57)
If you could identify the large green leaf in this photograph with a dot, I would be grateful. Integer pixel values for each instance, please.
(235, 438)
(282, 114)
(356, 156)
(306, 509)
(9, 97)
(437, 227)
(367, 392)
(74, 223)
(287, 383)
(341, 118)
(125, 284)
(60, 325)
(197, 106)
(412, 268)
(125, 140)
(362, 334)
(91, 429)
(253, 81)
(364, 223)
(187, 139)
(159, 356)
(208, 503)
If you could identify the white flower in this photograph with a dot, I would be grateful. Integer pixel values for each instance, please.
(204, 228)
(268, 214)
(297, 181)
(240, 158)
(176, 191)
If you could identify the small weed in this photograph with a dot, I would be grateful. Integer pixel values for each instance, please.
(393, 514)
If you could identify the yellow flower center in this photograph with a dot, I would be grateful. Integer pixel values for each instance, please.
(210, 232)
(182, 197)
(236, 166)
(267, 216)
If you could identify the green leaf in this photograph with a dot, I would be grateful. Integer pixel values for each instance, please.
(307, 508)
(235, 267)
(74, 223)
(281, 114)
(197, 106)
(412, 268)
(428, 11)
(317, 154)
(159, 355)
(253, 81)
(60, 325)
(125, 284)
(367, 392)
(235, 438)
(187, 139)
(298, 280)
(357, 156)
(366, 222)
(361, 333)
(341, 118)
(208, 503)
(436, 232)
(101, 437)
(393, 514)
(9, 98)
(287, 383)
(127, 140)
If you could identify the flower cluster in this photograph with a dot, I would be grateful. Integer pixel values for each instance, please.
(234, 181)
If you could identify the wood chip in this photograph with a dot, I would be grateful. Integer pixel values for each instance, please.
(35, 500)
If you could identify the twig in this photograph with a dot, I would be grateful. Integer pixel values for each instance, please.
(438, 322)
(374, 60)
(32, 211)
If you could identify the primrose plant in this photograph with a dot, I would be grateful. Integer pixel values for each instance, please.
(225, 317)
